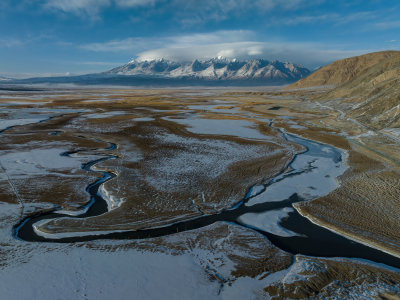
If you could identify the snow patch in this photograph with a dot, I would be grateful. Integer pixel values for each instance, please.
(269, 221)
(106, 114)
(23, 164)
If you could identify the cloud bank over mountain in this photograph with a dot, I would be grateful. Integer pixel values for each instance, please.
(239, 44)
(308, 55)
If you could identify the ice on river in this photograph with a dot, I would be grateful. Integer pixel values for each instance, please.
(269, 221)
(16, 122)
(314, 174)
(25, 116)
(240, 128)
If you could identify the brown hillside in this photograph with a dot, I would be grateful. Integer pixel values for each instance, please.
(373, 97)
(344, 70)
(366, 88)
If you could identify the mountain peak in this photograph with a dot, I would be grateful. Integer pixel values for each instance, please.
(219, 68)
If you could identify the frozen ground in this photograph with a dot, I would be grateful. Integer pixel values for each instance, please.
(81, 273)
(16, 122)
(223, 108)
(23, 164)
(105, 114)
(118, 270)
(205, 157)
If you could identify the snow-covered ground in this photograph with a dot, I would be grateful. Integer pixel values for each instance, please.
(39, 161)
(101, 270)
(81, 273)
(205, 157)
(225, 108)
(23, 116)
(16, 122)
(392, 131)
(115, 270)
(105, 114)
(143, 119)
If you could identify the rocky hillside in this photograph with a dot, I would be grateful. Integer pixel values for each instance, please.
(215, 69)
(344, 70)
(366, 88)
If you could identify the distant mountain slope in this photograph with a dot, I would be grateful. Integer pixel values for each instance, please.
(344, 70)
(215, 69)
(367, 88)
(373, 97)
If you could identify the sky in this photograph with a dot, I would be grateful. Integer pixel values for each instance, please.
(61, 37)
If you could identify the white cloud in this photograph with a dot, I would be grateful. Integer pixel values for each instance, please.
(387, 25)
(240, 44)
(100, 63)
(129, 45)
(228, 50)
(92, 7)
(212, 37)
(190, 12)
(133, 3)
(89, 7)
(139, 44)
(306, 19)
(8, 43)
(11, 42)
(334, 18)
(186, 11)
(310, 55)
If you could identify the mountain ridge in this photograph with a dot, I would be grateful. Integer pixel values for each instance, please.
(215, 69)
(366, 87)
(342, 71)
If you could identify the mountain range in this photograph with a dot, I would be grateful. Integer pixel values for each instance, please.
(161, 72)
(215, 69)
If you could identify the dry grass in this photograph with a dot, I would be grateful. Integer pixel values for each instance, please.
(365, 206)
(369, 188)
(325, 278)
(344, 70)
(145, 205)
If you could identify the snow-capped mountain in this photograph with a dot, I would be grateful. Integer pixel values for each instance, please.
(215, 69)
(213, 72)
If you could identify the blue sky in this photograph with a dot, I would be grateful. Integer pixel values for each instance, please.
(80, 36)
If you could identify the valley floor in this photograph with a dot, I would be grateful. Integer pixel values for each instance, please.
(112, 193)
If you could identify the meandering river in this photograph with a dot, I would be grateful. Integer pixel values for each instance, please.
(266, 209)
